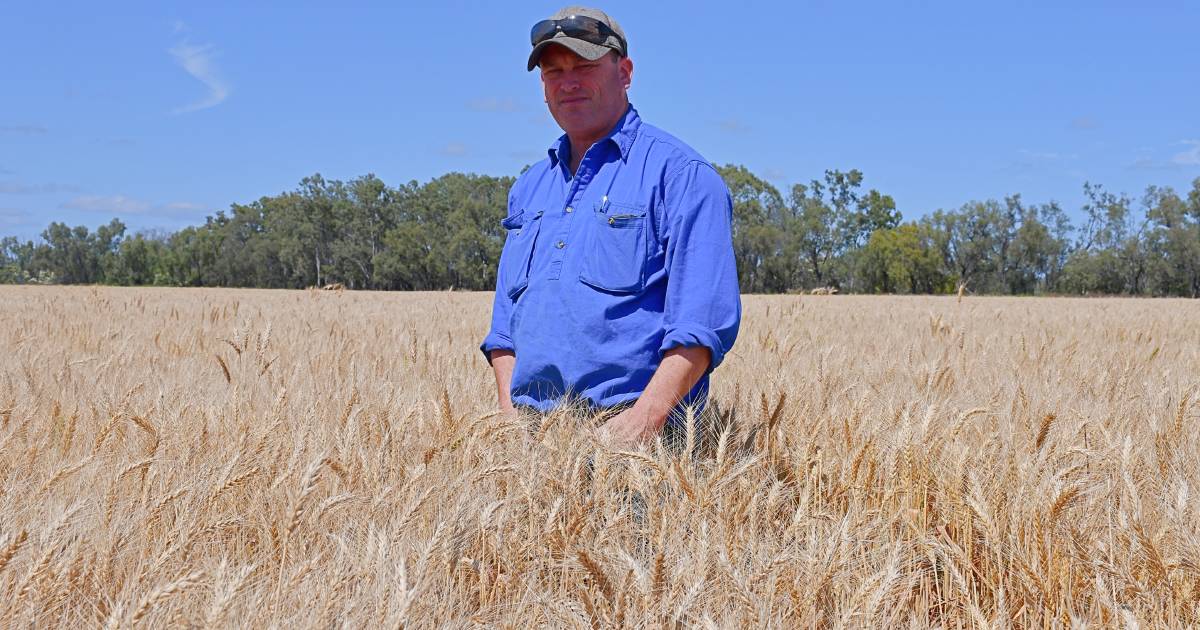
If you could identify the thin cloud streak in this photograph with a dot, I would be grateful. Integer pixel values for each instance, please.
(115, 142)
(1191, 157)
(454, 149)
(181, 208)
(197, 60)
(115, 203)
(492, 104)
(14, 218)
(527, 157)
(21, 188)
(23, 130)
(733, 125)
(123, 205)
(1181, 160)
(1049, 155)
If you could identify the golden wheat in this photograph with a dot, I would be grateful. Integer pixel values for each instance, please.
(311, 459)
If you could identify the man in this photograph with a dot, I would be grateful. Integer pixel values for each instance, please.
(616, 286)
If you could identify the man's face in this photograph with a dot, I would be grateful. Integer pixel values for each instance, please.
(585, 97)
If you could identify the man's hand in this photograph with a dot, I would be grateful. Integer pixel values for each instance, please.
(630, 428)
(675, 376)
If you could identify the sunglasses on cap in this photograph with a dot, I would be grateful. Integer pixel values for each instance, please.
(582, 27)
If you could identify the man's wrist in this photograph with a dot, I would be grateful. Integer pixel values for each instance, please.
(653, 409)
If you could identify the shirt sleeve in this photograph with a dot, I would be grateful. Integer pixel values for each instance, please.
(498, 336)
(703, 306)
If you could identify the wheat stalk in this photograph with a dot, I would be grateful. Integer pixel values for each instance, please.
(163, 593)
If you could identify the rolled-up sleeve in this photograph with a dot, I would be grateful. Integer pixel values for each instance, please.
(703, 307)
(498, 336)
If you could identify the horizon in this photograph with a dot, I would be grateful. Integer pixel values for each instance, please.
(162, 116)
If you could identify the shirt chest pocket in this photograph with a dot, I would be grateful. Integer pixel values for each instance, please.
(517, 256)
(614, 256)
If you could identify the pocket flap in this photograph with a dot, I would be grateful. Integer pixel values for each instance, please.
(625, 220)
(513, 222)
(622, 215)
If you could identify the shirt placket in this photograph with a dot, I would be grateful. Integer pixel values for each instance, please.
(562, 238)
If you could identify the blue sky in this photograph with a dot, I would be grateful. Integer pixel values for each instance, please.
(162, 113)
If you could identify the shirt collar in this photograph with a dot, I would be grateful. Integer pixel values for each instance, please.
(622, 135)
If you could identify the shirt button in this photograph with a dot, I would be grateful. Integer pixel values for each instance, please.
(570, 209)
(560, 244)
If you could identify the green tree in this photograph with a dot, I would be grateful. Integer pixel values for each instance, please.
(902, 259)
(1037, 249)
(969, 241)
(473, 206)
(298, 224)
(139, 261)
(447, 234)
(1114, 254)
(758, 232)
(15, 259)
(76, 255)
(194, 252)
(1174, 242)
(833, 221)
(364, 215)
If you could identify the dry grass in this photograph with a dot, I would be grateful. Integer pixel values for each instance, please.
(315, 459)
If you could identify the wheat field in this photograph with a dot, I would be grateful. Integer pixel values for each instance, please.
(244, 458)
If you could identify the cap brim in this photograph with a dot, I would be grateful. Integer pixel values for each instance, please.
(587, 50)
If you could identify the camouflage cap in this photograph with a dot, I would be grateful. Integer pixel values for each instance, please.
(584, 49)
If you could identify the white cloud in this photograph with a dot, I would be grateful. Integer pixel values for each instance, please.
(21, 188)
(453, 149)
(117, 204)
(527, 156)
(123, 205)
(1186, 159)
(733, 125)
(197, 60)
(543, 119)
(1085, 123)
(1143, 163)
(118, 141)
(493, 104)
(23, 130)
(1191, 157)
(1033, 163)
(13, 218)
(181, 208)
(1049, 155)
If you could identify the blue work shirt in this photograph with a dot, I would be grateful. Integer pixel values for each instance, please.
(604, 271)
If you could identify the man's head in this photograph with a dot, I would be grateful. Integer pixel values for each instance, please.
(585, 66)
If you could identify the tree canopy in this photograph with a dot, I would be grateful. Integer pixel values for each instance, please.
(830, 232)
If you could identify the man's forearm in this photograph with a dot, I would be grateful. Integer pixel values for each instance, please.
(676, 375)
(502, 365)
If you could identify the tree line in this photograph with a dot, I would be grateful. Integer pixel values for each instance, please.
(830, 232)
